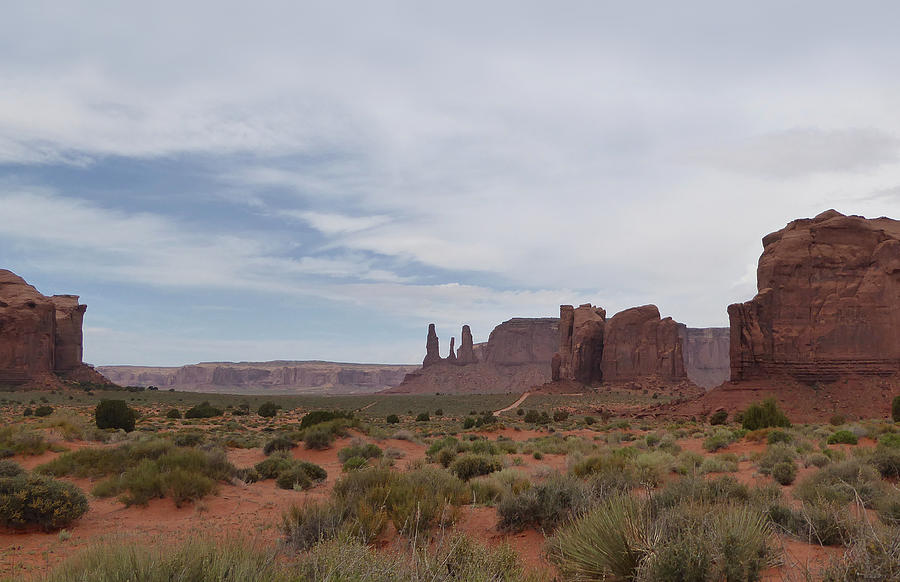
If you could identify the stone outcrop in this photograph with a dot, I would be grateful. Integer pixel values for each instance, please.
(706, 354)
(451, 357)
(515, 358)
(432, 348)
(581, 336)
(40, 337)
(466, 353)
(286, 377)
(637, 343)
(828, 302)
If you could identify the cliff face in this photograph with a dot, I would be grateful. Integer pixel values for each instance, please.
(828, 302)
(706, 354)
(523, 341)
(39, 335)
(264, 377)
(639, 343)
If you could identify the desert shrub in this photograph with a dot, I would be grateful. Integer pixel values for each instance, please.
(28, 412)
(315, 417)
(588, 420)
(22, 442)
(27, 500)
(300, 475)
(775, 454)
(718, 417)
(652, 467)
(392, 419)
(363, 450)
(543, 505)
(354, 464)
(886, 458)
(424, 498)
(615, 538)
(278, 443)
(784, 472)
(275, 464)
(843, 437)
(10, 469)
(532, 417)
(423, 417)
(203, 410)
(874, 555)
(888, 507)
(318, 438)
(197, 561)
(779, 436)
(817, 460)
(826, 523)
(268, 409)
(698, 490)
(895, 409)
(473, 465)
(764, 414)
(560, 415)
(115, 414)
(837, 420)
(182, 485)
(43, 411)
(720, 439)
(727, 463)
(468, 423)
(188, 438)
(173, 413)
(303, 526)
(841, 483)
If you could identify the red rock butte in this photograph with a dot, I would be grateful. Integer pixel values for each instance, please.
(828, 302)
(40, 337)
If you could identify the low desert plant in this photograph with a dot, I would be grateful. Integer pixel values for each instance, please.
(718, 417)
(173, 413)
(392, 419)
(203, 410)
(115, 414)
(473, 465)
(784, 472)
(39, 501)
(764, 414)
(842, 437)
(268, 409)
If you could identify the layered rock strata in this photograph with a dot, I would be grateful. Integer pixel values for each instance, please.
(706, 354)
(264, 377)
(40, 336)
(638, 343)
(828, 302)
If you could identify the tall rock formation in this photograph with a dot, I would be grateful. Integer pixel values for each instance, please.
(432, 348)
(639, 343)
(706, 354)
(466, 353)
(581, 337)
(451, 357)
(40, 335)
(828, 302)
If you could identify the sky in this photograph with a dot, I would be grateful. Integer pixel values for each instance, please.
(228, 181)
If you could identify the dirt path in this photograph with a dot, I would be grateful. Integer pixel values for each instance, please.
(514, 404)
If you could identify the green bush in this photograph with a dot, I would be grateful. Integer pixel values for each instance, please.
(423, 417)
(474, 465)
(354, 464)
(841, 483)
(718, 417)
(560, 415)
(40, 501)
(363, 450)
(543, 505)
(268, 409)
(392, 419)
(278, 443)
(28, 412)
(895, 409)
(720, 439)
(10, 469)
(189, 438)
(784, 472)
(315, 417)
(173, 413)
(779, 436)
(306, 525)
(43, 411)
(763, 415)
(532, 417)
(115, 414)
(843, 437)
(319, 438)
(468, 423)
(203, 410)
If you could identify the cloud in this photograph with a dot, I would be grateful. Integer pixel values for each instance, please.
(799, 152)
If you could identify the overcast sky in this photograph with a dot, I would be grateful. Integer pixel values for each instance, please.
(262, 180)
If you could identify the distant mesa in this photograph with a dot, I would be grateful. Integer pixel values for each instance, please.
(41, 338)
(275, 377)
